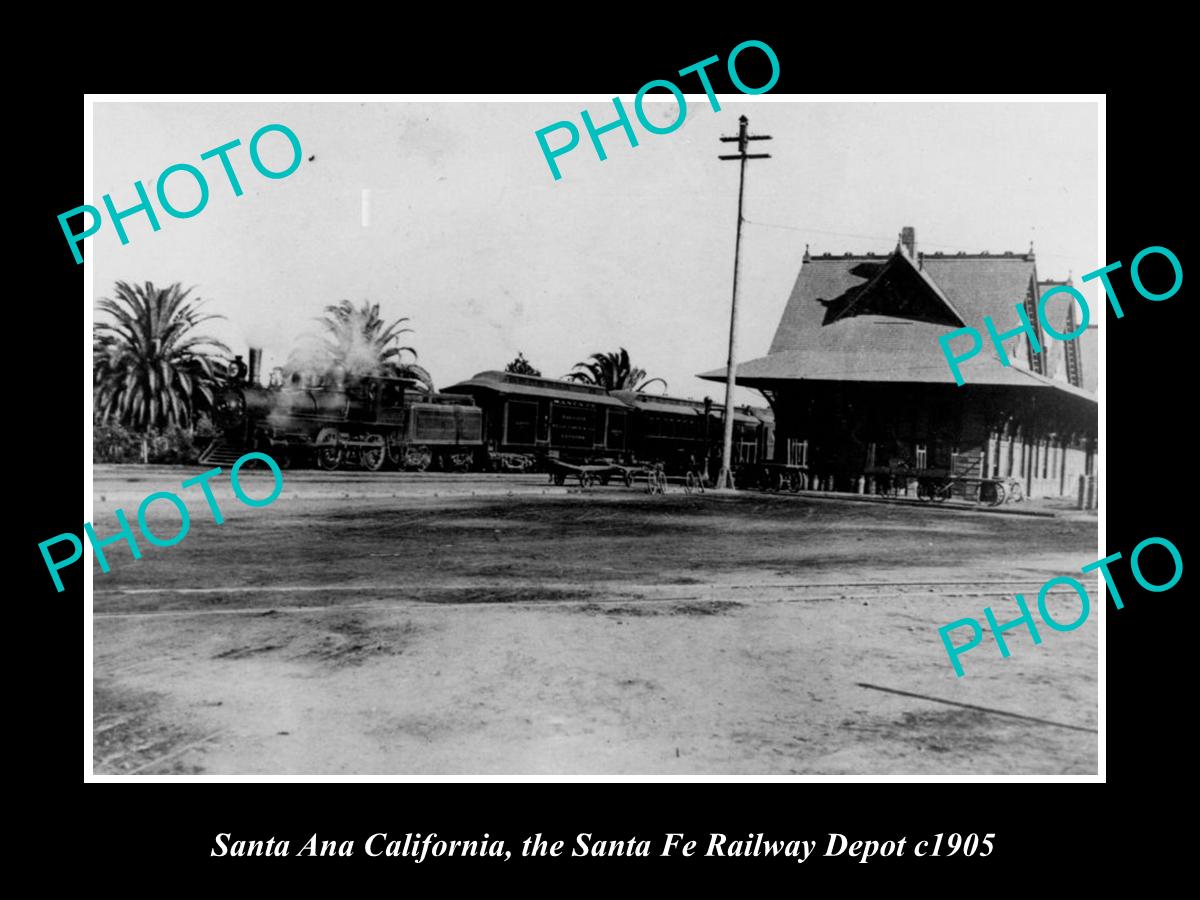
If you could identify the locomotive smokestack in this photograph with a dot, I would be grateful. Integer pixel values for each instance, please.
(255, 365)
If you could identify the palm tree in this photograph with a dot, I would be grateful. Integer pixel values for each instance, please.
(358, 340)
(613, 372)
(148, 368)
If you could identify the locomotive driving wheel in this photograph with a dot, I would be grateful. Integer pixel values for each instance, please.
(329, 452)
(373, 457)
(418, 458)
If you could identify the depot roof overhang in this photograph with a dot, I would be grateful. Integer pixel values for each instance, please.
(782, 370)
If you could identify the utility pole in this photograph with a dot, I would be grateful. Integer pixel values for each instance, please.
(725, 478)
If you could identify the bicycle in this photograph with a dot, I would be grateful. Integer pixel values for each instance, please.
(656, 480)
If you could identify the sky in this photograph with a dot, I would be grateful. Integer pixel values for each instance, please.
(469, 235)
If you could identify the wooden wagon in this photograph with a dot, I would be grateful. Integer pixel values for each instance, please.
(939, 485)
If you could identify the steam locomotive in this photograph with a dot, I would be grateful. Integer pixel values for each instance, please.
(338, 420)
(494, 421)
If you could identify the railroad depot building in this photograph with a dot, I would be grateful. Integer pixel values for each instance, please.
(859, 384)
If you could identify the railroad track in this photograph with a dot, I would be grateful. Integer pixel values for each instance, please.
(130, 744)
(623, 595)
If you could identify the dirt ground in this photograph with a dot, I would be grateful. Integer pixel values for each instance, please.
(420, 624)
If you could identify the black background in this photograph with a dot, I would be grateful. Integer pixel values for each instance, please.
(1051, 828)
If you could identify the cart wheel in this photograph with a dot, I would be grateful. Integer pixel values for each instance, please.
(658, 482)
(628, 478)
(1000, 493)
(942, 492)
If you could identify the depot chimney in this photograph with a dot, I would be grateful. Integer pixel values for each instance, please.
(255, 365)
(908, 237)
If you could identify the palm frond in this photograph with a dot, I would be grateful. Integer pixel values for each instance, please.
(611, 371)
(150, 368)
(357, 339)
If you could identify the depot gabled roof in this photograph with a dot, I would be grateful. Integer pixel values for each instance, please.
(1063, 315)
(878, 318)
(897, 288)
